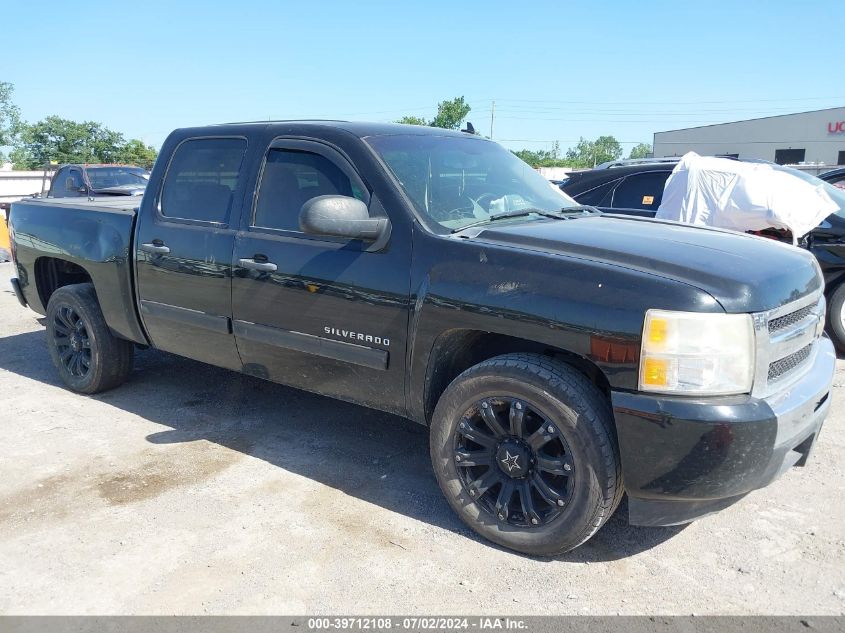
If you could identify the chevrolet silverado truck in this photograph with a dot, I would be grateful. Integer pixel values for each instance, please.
(560, 356)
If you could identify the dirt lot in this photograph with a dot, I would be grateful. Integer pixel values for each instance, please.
(196, 490)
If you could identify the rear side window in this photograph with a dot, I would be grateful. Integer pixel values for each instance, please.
(292, 178)
(641, 191)
(66, 183)
(598, 196)
(201, 179)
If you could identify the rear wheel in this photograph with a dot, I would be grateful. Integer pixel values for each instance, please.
(836, 317)
(524, 450)
(88, 356)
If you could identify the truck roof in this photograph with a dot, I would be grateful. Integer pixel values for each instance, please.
(360, 129)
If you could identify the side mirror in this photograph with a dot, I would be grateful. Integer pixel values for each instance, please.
(342, 216)
(83, 189)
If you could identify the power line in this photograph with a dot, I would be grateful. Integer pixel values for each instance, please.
(665, 102)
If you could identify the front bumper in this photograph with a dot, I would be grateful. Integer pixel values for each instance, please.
(684, 458)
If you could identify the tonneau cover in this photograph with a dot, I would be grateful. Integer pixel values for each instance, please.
(742, 196)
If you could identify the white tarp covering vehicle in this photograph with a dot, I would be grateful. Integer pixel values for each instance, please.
(730, 194)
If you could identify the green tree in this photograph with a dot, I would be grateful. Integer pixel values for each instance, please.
(412, 120)
(450, 115)
(64, 141)
(136, 152)
(591, 153)
(542, 157)
(9, 117)
(642, 150)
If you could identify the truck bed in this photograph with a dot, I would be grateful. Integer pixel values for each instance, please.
(95, 236)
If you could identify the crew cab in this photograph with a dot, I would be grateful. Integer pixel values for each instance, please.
(561, 357)
(635, 187)
(86, 181)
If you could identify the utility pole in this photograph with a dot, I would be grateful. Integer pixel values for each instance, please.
(492, 115)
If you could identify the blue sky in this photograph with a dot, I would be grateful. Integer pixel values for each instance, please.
(556, 70)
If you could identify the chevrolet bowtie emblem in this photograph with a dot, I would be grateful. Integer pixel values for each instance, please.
(510, 461)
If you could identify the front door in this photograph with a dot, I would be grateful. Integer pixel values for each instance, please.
(184, 251)
(322, 314)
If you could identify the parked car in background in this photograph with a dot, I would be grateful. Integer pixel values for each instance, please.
(86, 181)
(636, 188)
(835, 177)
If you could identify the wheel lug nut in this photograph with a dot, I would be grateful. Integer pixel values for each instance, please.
(502, 516)
(457, 458)
(560, 502)
(463, 425)
(518, 405)
(484, 405)
(567, 467)
(472, 493)
(534, 521)
(551, 429)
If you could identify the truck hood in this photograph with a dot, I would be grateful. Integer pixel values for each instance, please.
(742, 272)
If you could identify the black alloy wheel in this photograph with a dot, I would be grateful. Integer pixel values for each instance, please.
(72, 343)
(86, 353)
(524, 449)
(514, 461)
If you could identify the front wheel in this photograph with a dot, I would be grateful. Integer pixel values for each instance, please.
(836, 317)
(524, 450)
(88, 356)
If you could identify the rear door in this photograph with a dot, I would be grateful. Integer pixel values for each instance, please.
(323, 314)
(184, 250)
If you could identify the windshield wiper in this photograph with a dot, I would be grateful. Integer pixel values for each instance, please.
(581, 208)
(563, 214)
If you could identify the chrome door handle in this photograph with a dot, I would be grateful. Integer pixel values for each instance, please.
(155, 248)
(251, 264)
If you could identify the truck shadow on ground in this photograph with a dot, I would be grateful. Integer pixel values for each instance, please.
(377, 457)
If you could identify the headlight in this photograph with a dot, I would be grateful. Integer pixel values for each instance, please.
(697, 353)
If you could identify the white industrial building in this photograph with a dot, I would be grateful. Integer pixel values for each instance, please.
(816, 137)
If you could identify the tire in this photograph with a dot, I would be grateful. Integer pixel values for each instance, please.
(87, 355)
(836, 317)
(567, 417)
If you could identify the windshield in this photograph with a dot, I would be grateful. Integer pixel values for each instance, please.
(105, 177)
(461, 181)
(836, 194)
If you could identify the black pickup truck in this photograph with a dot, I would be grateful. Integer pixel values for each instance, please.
(561, 357)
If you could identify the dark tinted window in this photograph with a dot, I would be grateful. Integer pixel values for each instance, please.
(290, 179)
(598, 196)
(66, 183)
(202, 178)
(789, 156)
(104, 177)
(641, 191)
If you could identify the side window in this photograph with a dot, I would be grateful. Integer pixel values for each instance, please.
(641, 191)
(291, 178)
(201, 179)
(74, 182)
(59, 182)
(599, 196)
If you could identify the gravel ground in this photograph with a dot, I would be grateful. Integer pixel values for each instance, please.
(195, 490)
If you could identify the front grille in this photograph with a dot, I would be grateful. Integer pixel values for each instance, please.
(780, 323)
(788, 363)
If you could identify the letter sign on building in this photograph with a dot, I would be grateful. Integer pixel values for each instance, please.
(836, 127)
